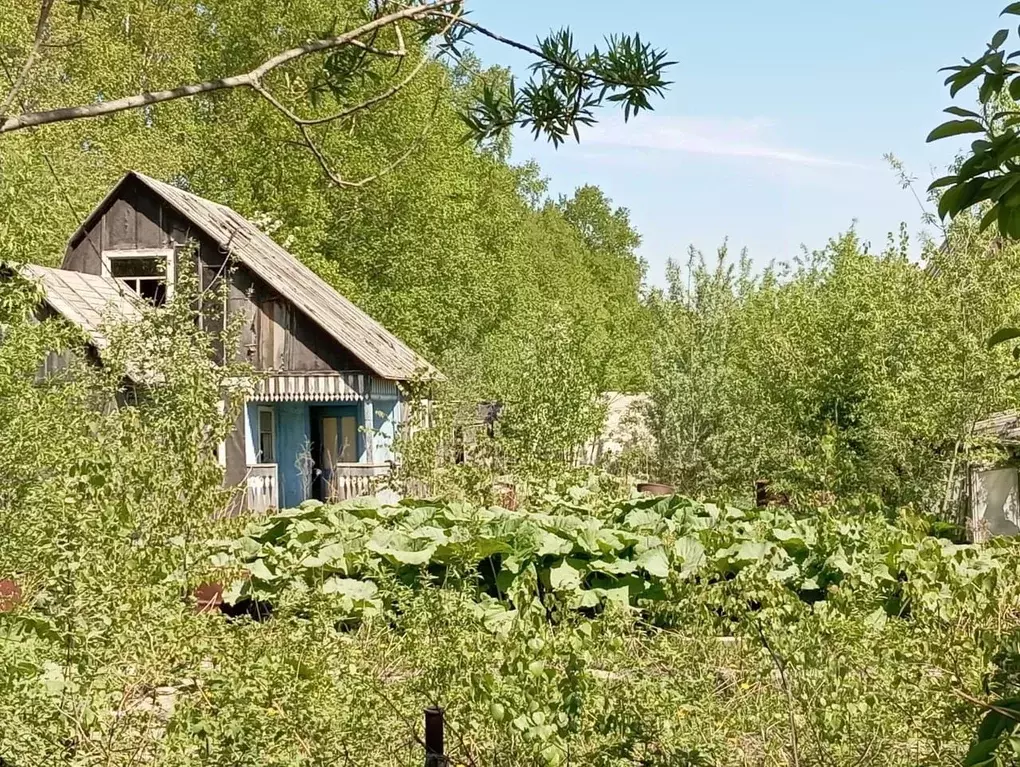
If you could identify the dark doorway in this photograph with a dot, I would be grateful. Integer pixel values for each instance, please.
(334, 438)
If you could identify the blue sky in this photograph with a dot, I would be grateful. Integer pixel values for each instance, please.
(774, 130)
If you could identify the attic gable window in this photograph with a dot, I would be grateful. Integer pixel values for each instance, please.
(149, 273)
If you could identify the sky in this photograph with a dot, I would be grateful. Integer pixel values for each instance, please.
(773, 133)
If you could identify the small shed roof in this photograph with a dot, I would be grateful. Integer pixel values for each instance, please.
(1004, 427)
(367, 339)
(87, 300)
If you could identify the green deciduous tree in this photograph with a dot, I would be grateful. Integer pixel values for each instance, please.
(848, 371)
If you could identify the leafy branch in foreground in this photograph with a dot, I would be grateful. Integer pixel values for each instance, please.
(562, 93)
(990, 172)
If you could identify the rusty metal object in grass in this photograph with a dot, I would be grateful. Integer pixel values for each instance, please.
(208, 597)
(655, 488)
(10, 595)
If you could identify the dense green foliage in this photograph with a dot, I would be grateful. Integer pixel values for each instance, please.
(820, 375)
(455, 250)
(587, 626)
(645, 552)
(581, 630)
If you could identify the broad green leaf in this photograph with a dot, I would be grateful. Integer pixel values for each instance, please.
(643, 518)
(236, 591)
(1012, 8)
(553, 545)
(690, 553)
(221, 559)
(751, 551)
(361, 591)
(955, 128)
(963, 78)
(564, 577)
(877, 619)
(995, 725)
(654, 562)
(619, 595)
(327, 555)
(586, 599)
(960, 112)
(982, 753)
(1002, 335)
(615, 567)
(999, 38)
(838, 561)
(786, 574)
(258, 569)
(944, 181)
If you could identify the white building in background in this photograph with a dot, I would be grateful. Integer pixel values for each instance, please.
(626, 428)
(993, 484)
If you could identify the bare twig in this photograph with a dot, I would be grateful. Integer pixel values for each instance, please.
(41, 32)
(246, 80)
(333, 176)
(261, 89)
(1008, 713)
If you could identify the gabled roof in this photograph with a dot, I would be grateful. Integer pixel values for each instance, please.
(1002, 427)
(385, 354)
(87, 300)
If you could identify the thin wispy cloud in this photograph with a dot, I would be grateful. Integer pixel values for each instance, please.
(740, 138)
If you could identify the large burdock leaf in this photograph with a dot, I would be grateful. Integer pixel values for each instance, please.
(690, 553)
(619, 595)
(654, 562)
(616, 566)
(564, 577)
(752, 551)
(586, 599)
(258, 569)
(643, 519)
(359, 591)
(553, 545)
(237, 590)
(785, 574)
(327, 555)
(400, 549)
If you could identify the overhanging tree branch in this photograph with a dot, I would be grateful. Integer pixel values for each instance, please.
(562, 93)
(247, 80)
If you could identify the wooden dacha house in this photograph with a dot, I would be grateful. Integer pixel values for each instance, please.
(322, 420)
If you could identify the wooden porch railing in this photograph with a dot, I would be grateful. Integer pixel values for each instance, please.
(353, 480)
(263, 488)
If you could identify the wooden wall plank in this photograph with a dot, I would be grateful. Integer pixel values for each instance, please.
(86, 256)
(148, 222)
(281, 331)
(119, 231)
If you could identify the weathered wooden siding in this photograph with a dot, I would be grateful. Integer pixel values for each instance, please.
(137, 218)
(275, 335)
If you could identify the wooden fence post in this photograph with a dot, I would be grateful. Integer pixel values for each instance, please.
(435, 756)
